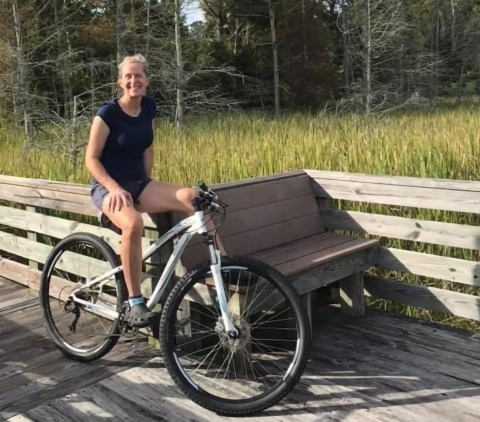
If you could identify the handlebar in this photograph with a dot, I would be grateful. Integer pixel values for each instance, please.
(210, 198)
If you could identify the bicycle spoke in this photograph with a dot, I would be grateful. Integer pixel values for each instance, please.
(276, 315)
(245, 364)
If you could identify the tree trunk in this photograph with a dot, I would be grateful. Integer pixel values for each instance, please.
(22, 73)
(452, 2)
(437, 52)
(304, 36)
(147, 49)
(133, 24)
(74, 147)
(120, 30)
(179, 115)
(276, 80)
(63, 63)
(92, 88)
(401, 74)
(368, 63)
(236, 36)
(346, 51)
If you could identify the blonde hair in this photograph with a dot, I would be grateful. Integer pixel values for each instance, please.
(136, 58)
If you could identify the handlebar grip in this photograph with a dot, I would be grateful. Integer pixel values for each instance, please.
(202, 186)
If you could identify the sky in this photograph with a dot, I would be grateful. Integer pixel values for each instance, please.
(192, 12)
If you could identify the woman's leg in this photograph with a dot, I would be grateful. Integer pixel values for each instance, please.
(130, 222)
(160, 197)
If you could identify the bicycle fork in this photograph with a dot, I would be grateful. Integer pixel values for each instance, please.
(222, 298)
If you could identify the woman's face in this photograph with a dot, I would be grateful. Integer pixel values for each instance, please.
(133, 80)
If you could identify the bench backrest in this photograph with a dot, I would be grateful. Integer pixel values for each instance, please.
(262, 213)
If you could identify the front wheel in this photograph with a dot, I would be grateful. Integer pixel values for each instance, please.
(235, 375)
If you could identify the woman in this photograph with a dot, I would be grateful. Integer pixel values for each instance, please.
(119, 157)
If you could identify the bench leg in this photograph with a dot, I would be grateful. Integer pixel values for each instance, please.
(307, 302)
(352, 299)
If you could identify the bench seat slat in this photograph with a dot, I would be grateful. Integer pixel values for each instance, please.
(307, 262)
(294, 245)
(320, 245)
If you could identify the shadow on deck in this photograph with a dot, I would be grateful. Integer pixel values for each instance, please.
(377, 368)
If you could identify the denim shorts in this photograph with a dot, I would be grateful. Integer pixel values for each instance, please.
(134, 187)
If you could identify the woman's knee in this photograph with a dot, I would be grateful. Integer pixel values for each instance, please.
(133, 225)
(185, 196)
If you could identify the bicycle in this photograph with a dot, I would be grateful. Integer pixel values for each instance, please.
(219, 284)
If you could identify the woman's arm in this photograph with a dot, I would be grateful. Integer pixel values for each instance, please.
(148, 158)
(98, 135)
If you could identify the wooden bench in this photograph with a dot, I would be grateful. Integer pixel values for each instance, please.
(277, 219)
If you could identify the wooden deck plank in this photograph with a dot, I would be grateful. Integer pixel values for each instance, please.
(396, 376)
(379, 368)
(32, 370)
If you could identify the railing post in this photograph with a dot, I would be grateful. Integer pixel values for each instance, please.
(32, 236)
(333, 288)
(155, 265)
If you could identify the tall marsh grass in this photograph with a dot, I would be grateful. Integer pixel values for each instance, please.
(436, 144)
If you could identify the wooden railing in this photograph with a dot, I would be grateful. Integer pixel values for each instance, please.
(460, 198)
(34, 214)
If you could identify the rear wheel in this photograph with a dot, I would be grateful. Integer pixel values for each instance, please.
(82, 333)
(246, 374)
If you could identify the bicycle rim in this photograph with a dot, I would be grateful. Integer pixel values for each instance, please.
(240, 375)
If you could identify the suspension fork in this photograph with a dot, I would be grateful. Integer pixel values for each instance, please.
(215, 267)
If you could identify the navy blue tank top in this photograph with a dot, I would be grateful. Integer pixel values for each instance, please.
(129, 137)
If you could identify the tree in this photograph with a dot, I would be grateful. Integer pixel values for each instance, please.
(179, 114)
(23, 73)
(376, 29)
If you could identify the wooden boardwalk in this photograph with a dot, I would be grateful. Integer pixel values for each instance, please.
(377, 368)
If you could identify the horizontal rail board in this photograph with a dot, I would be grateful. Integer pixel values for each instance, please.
(427, 265)
(57, 227)
(30, 277)
(419, 182)
(57, 200)
(38, 252)
(58, 186)
(59, 288)
(27, 276)
(78, 188)
(415, 197)
(431, 298)
(72, 262)
(439, 233)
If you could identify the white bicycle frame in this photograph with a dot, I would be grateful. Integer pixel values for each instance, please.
(191, 225)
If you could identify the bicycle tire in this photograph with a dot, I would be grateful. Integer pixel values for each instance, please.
(122, 295)
(196, 394)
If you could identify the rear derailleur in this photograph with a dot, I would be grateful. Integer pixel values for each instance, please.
(73, 308)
